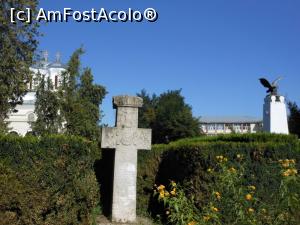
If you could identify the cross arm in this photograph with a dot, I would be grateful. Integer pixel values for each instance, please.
(112, 137)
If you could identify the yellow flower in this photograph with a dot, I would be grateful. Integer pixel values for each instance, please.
(214, 209)
(248, 197)
(209, 170)
(233, 170)
(252, 187)
(285, 165)
(161, 187)
(218, 195)
(173, 183)
(219, 157)
(292, 161)
(293, 171)
(161, 195)
(192, 223)
(250, 210)
(264, 210)
(167, 194)
(289, 172)
(238, 156)
(173, 192)
(286, 173)
(206, 218)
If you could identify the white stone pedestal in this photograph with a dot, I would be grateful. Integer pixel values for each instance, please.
(275, 115)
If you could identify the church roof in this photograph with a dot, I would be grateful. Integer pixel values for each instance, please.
(43, 63)
(48, 65)
(230, 119)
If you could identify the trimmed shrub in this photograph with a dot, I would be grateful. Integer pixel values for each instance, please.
(188, 161)
(47, 180)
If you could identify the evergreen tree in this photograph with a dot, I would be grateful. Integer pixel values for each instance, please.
(90, 92)
(169, 117)
(81, 100)
(294, 118)
(68, 91)
(17, 46)
(86, 117)
(47, 107)
(74, 108)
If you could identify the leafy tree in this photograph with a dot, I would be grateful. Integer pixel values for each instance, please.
(88, 91)
(67, 91)
(169, 117)
(74, 108)
(294, 118)
(147, 112)
(80, 99)
(17, 46)
(49, 120)
(86, 114)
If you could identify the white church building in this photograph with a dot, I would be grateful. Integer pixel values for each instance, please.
(19, 122)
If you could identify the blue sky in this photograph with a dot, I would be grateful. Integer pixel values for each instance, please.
(215, 50)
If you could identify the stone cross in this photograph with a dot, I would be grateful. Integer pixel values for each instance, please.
(126, 138)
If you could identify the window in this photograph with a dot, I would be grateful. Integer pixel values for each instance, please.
(220, 126)
(56, 82)
(31, 117)
(35, 83)
(14, 133)
(211, 127)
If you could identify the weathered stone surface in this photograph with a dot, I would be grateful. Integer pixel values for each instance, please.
(134, 137)
(125, 100)
(101, 220)
(126, 138)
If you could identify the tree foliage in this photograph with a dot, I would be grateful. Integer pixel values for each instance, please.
(294, 118)
(74, 107)
(147, 114)
(47, 108)
(17, 46)
(169, 116)
(80, 99)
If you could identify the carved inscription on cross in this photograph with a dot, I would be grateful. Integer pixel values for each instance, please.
(126, 138)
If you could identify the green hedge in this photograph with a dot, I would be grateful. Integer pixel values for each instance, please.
(47, 180)
(186, 161)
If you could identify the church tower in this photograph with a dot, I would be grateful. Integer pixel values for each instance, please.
(19, 122)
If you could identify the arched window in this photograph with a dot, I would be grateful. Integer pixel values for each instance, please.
(30, 84)
(56, 82)
(14, 133)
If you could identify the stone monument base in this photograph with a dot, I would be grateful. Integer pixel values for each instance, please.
(275, 115)
(102, 220)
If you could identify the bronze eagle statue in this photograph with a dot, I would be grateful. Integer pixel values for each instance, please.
(272, 87)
